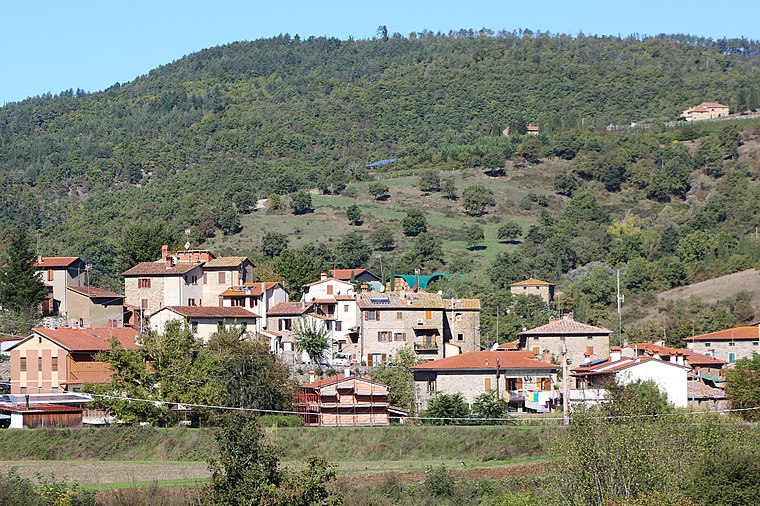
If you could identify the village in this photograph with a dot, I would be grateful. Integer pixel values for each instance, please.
(555, 367)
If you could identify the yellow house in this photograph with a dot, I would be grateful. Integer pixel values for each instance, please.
(705, 110)
(533, 286)
(56, 360)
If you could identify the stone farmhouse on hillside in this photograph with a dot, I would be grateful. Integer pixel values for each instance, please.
(727, 345)
(705, 110)
(584, 342)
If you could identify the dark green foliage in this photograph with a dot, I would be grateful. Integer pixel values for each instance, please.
(300, 203)
(474, 235)
(414, 223)
(352, 251)
(229, 221)
(729, 476)
(299, 266)
(312, 338)
(426, 253)
(452, 406)
(46, 491)
(354, 214)
(382, 238)
(141, 242)
(21, 291)
(379, 190)
(448, 189)
(273, 244)
(399, 378)
(430, 181)
(490, 405)
(510, 231)
(640, 398)
(743, 387)
(566, 183)
(475, 198)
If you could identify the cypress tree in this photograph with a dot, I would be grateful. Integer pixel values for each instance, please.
(20, 288)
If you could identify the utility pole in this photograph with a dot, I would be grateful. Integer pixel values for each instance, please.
(620, 300)
(497, 324)
(565, 384)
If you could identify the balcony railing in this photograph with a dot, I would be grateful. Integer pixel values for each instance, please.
(426, 346)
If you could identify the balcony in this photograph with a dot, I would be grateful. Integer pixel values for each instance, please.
(426, 347)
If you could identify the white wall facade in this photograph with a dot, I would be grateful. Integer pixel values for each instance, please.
(670, 379)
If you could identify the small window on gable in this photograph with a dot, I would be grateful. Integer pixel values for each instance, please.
(54, 364)
(732, 343)
(329, 289)
(50, 274)
(222, 278)
(23, 364)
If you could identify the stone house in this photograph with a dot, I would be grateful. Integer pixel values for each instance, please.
(584, 342)
(255, 297)
(204, 320)
(355, 275)
(727, 345)
(461, 324)
(219, 274)
(533, 286)
(284, 319)
(54, 360)
(343, 400)
(57, 273)
(90, 307)
(516, 376)
(705, 110)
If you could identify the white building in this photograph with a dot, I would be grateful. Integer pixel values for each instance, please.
(335, 299)
(204, 320)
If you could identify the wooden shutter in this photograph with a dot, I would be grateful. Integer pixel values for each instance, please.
(383, 358)
(539, 383)
(222, 277)
(547, 384)
(487, 384)
(518, 384)
(428, 314)
(536, 350)
(369, 360)
(590, 350)
(329, 289)
(404, 334)
(366, 316)
(377, 315)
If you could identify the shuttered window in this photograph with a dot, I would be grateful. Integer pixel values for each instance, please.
(54, 364)
(487, 384)
(222, 278)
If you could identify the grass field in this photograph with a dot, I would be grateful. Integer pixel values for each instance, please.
(445, 217)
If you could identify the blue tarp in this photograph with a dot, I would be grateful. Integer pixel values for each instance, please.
(382, 162)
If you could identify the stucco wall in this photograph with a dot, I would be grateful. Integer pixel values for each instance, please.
(577, 346)
(670, 379)
(34, 380)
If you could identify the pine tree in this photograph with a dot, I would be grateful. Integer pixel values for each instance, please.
(21, 290)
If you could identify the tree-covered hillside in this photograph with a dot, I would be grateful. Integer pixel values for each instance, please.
(190, 147)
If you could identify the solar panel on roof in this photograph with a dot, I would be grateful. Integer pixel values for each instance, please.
(380, 300)
(595, 362)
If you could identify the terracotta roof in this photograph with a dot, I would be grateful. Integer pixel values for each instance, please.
(288, 308)
(346, 274)
(328, 279)
(698, 390)
(532, 282)
(462, 304)
(565, 328)
(732, 334)
(479, 360)
(45, 262)
(340, 378)
(249, 289)
(160, 269)
(222, 262)
(713, 105)
(88, 339)
(532, 128)
(210, 311)
(692, 357)
(514, 345)
(45, 408)
(399, 300)
(94, 293)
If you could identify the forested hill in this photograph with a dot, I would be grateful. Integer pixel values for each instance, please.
(203, 137)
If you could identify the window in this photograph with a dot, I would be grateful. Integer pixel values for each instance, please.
(383, 336)
(329, 289)
(205, 278)
(54, 364)
(458, 317)
(193, 280)
(589, 350)
(144, 304)
(754, 343)
(399, 336)
(143, 283)
(399, 315)
(191, 302)
(194, 326)
(590, 337)
(536, 350)
(244, 326)
(81, 323)
(284, 324)
(460, 337)
(345, 308)
(222, 278)
(732, 344)
(23, 364)
(431, 385)
(50, 274)
(372, 315)
(731, 358)
(487, 384)
(287, 346)
(39, 364)
(338, 326)
(23, 390)
(428, 314)
(707, 345)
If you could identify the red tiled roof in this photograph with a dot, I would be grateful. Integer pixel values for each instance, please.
(211, 311)
(514, 345)
(94, 293)
(46, 408)
(288, 308)
(346, 274)
(532, 282)
(221, 262)
(45, 262)
(88, 339)
(532, 128)
(462, 304)
(339, 378)
(713, 105)
(475, 360)
(565, 328)
(692, 357)
(608, 366)
(249, 289)
(160, 269)
(400, 300)
(732, 334)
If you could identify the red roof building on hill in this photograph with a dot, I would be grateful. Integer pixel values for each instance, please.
(55, 360)
(728, 345)
(204, 321)
(705, 110)
(58, 273)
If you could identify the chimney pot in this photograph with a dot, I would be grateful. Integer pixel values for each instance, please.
(365, 288)
(322, 276)
(346, 371)
(615, 355)
(312, 378)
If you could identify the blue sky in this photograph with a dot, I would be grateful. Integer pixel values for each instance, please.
(50, 45)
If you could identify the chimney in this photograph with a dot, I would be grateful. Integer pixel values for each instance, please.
(365, 288)
(164, 251)
(346, 371)
(673, 359)
(547, 356)
(312, 378)
(615, 354)
(322, 276)
(679, 359)
(586, 358)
